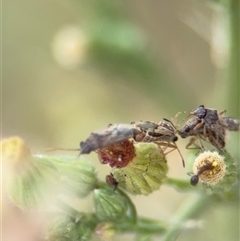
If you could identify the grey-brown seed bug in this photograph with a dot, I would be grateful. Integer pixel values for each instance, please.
(208, 124)
(201, 132)
(211, 119)
(106, 137)
(162, 133)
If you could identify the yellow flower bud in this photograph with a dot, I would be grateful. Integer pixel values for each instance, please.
(15, 153)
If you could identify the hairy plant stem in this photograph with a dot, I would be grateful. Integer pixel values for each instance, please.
(143, 225)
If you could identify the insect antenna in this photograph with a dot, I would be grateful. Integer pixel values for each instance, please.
(176, 147)
(62, 149)
(175, 119)
(183, 162)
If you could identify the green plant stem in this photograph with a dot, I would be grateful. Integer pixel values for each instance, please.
(191, 207)
(139, 224)
(179, 184)
(234, 63)
(149, 225)
(143, 225)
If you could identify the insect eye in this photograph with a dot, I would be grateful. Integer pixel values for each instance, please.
(199, 120)
(186, 128)
(194, 180)
(175, 138)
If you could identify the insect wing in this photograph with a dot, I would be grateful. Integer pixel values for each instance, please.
(167, 131)
(145, 125)
(106, 137)
(211, 118)
(231, 123)
(217, 139)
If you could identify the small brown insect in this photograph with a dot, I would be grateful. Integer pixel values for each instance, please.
(111, 180)
(152, 132)
(162, 133)
(214, 126)
(192, 128)
(195, 178)
(208, 125)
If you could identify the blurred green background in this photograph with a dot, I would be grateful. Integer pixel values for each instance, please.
(71, 67)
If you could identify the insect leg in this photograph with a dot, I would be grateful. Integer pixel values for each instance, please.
(223, 112)
(192, 142)
(173, 146)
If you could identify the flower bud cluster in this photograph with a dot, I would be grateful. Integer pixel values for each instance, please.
(36, 181)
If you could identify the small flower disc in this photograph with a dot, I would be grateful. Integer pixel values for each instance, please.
(209, 167)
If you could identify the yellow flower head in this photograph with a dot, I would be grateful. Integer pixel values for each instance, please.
(209, 167)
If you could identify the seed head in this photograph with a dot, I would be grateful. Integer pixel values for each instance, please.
(145, 173)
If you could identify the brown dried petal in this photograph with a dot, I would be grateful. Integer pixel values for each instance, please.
(118, 154)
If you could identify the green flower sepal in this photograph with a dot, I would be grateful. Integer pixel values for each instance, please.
(109, 204)
(77, 177)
